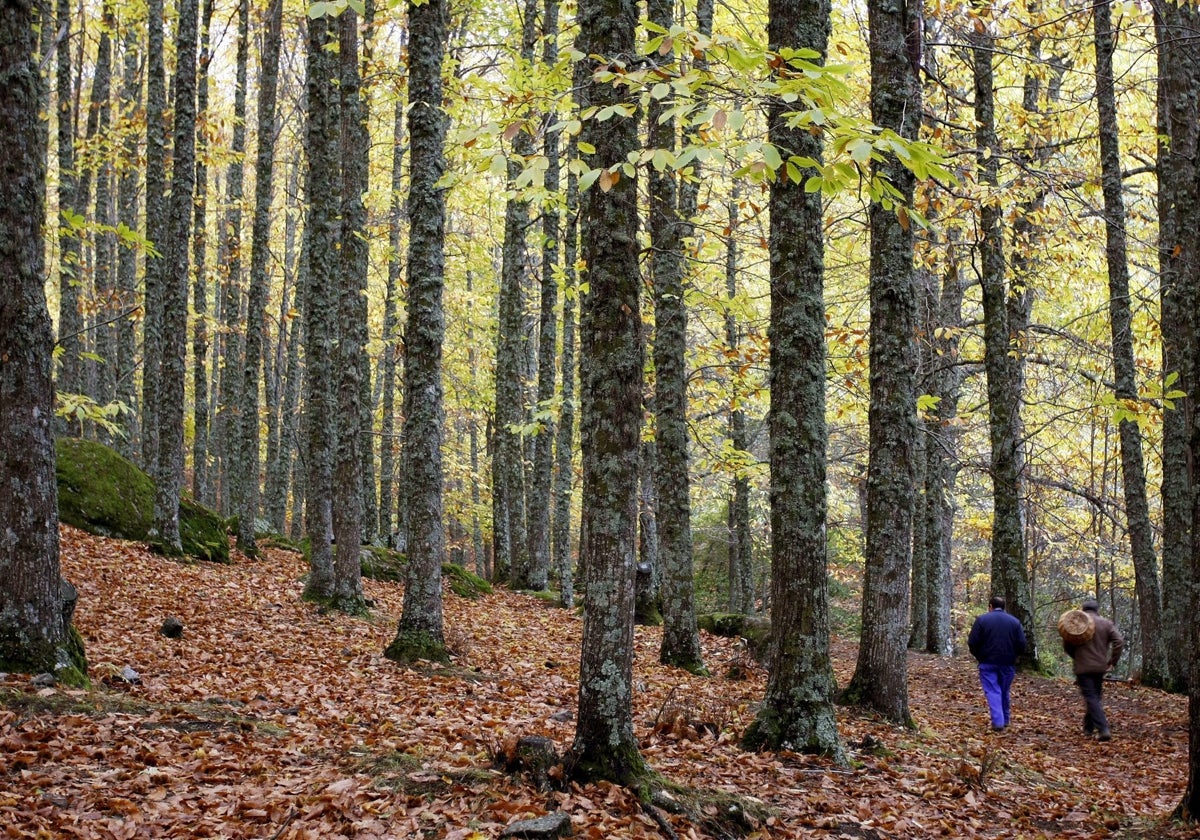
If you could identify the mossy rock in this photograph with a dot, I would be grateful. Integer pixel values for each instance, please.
(464, 583)
(381, 564)
(755, 629)
(104, 493)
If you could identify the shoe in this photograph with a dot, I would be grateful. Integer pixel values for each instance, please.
(1104, 736)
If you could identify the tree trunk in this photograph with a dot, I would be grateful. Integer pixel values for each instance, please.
(540, 499)
(321, 241)
(229, 371)
(741, 557)
(610, 420)
(647, 599)
(508, 463)
(201, 476)
(248, 461)
(34, 634)
(391, 341)
(880, 679)
(797, 709)
(420, 634)
(1179, 218)
(352, 327)
(156, 232)
(175, 289)
(105, 304)
(681, 641)
(127, 214)
(1010, 574)
(70, 313)
(1137, 512)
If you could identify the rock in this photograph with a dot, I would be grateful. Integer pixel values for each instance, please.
(131, 676)
(44, 680)
(557, 824)
(563, 716)
(172, 628)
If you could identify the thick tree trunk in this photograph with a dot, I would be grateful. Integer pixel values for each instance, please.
(175, 289)
(610, 420)
(321, 240)
(880, 679)
(563, 457)
(34, 634)
(1179, 218)
(421, 634)
(1137, 511)
(797, 710)
(1010, 573)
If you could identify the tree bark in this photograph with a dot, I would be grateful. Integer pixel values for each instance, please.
(1179, 218)
(34, 636)
(348, 508)
(1010, 573)
(1137, 511)
(127, 214)
(70, 314)
(175, 289)
(420, 633)
(201, 475)
(797, 709)
(610, 420)
(156, 232)
(321, 240)
(880, 679)
(392, 344)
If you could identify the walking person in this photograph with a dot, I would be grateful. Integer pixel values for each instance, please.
(996, 640)
(1093, 659)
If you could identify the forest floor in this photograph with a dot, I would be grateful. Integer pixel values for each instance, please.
(268, 719)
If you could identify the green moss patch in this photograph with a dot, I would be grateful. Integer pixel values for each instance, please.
(103, 493)
(464, 583)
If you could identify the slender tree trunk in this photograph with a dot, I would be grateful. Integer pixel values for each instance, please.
(279, 461)
(248, 461)
(127, 214)
(611, 413)
(1010, 574)
(352, 327)
(156, 233)
(540, 498)
(564, 470)
(202, 489)
(681, 641)
(420, 633)
(391, 341)
(321, 241)
(229, 371)
(105, 304)
(797, 709)
(508, 463)
(70, 314)
(740, 562)
(175, 288)
(35, 635)
(1137, 511)
(647, 599)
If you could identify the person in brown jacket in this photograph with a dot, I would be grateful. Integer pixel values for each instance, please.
(1093, 659)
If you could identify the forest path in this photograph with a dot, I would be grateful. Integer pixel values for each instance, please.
(271, 720)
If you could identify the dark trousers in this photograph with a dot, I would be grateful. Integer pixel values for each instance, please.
(1091, 686)
(997, 681)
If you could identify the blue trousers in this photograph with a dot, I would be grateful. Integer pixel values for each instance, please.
(996, 681)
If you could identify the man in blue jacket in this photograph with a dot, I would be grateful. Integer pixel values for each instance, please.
(996, 640)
